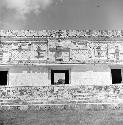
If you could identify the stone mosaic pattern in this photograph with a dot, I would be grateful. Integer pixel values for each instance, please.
(61, 46)
(62, 33)
(61, 95)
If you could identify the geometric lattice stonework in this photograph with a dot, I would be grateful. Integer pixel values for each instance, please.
(79, 55)
(23, 55)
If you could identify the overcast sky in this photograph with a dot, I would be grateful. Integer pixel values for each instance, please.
(61, 14)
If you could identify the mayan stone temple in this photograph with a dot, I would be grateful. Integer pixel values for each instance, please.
(61, 68)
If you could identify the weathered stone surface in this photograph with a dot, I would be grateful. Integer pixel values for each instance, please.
(82, 47)
(60, 95)
(61, 33)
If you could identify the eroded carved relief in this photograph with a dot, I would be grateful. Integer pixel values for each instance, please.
(61, 94)
(61, 46)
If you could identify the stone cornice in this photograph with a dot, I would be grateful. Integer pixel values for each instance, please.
(92, 35)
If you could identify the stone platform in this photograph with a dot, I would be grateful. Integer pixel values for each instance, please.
(61, 105)
(58, 95)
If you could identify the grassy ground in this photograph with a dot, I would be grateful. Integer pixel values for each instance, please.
(76, 116)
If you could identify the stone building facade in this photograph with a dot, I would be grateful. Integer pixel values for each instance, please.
(89, 56)
(70, 65)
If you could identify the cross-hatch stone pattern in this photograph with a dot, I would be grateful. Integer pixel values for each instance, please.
(37, 47)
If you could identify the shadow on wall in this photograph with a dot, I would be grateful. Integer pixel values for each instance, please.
(28, 69)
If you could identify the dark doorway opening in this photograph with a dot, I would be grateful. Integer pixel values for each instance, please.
(3, 77)
(116, 76)
(59, 77)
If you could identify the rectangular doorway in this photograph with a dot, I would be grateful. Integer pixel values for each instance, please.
(116, 76)
(3, 77)
(59, 77)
